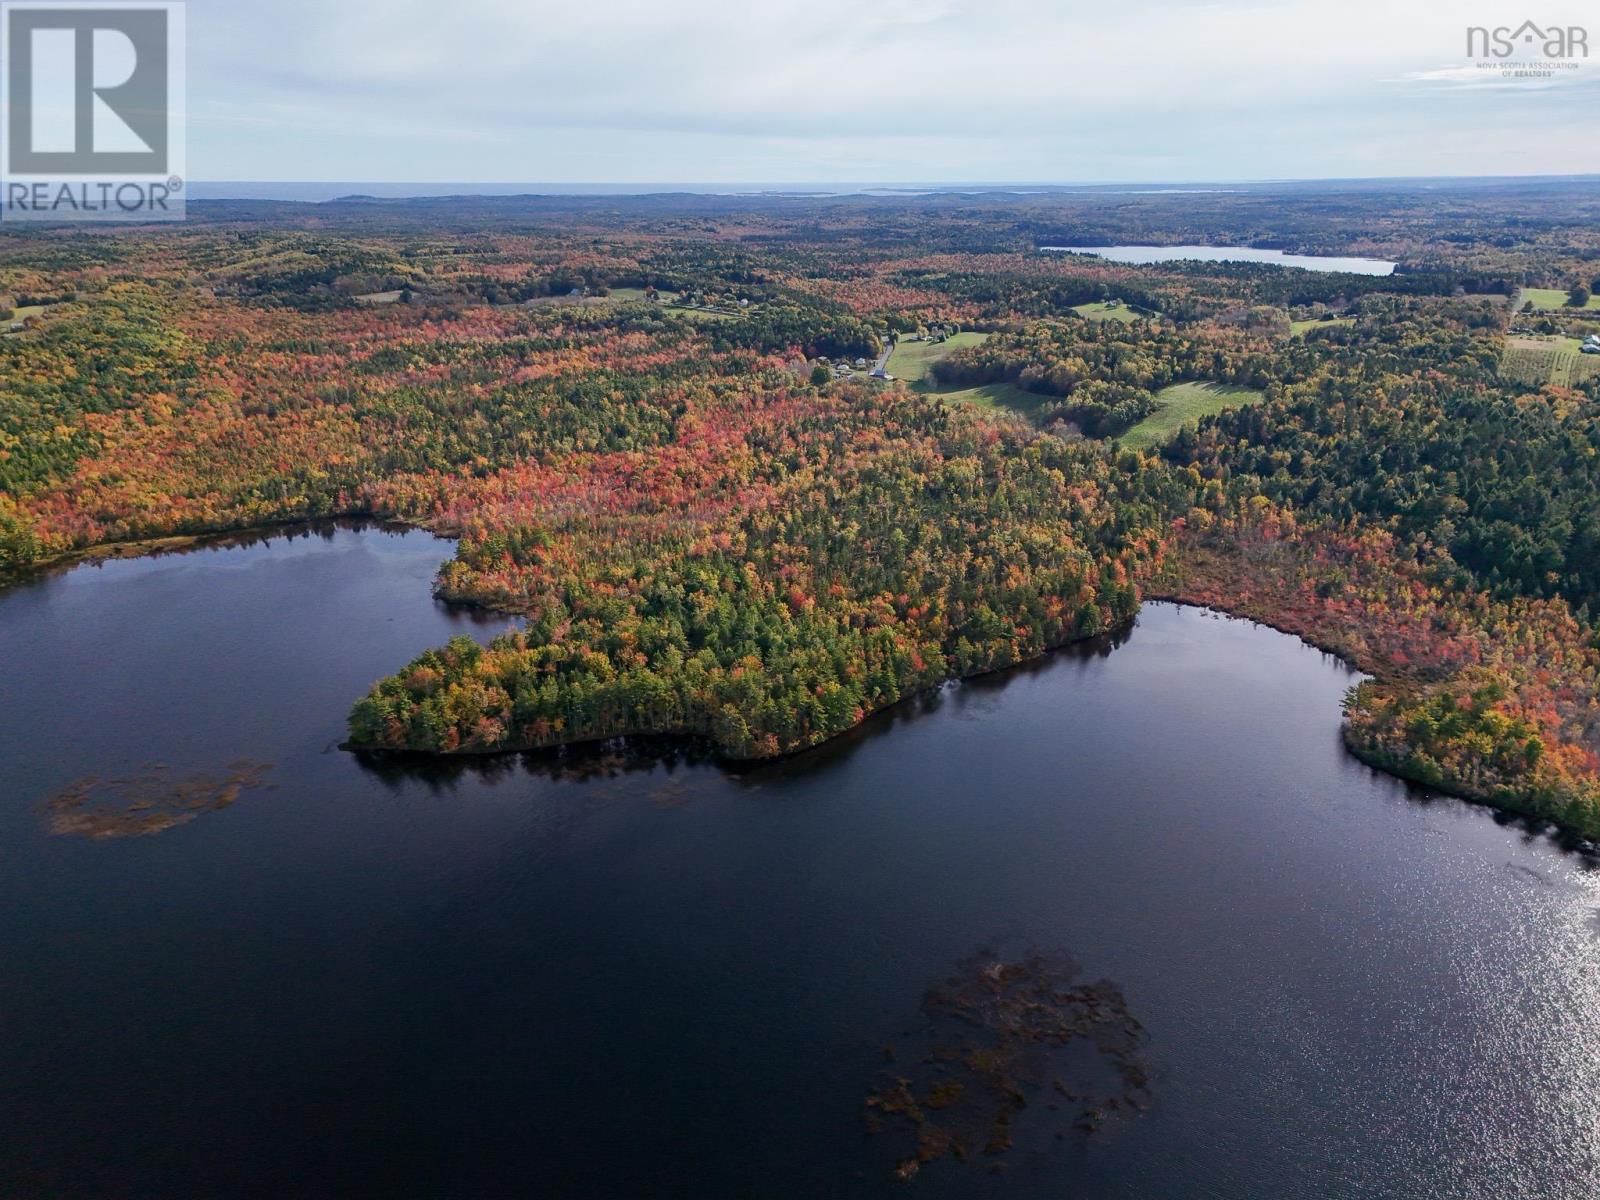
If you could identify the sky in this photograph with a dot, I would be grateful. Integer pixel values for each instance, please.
(818, 91)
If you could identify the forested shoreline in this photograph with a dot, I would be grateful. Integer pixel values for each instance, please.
(660, 443)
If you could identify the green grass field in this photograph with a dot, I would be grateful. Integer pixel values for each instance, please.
(996, 397)
(912, 361)
(22, 314)
(1101, 311)
(667, 303)
(1539, 360)
(1183, 404)
(1297, 328)
(1551, 299)
(698, 314)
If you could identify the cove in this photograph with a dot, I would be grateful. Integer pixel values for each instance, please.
(633, 972)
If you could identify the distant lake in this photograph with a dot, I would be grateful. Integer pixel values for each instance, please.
(1156, 254)
(635, 973)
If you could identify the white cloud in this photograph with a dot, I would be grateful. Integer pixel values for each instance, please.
(709, 89)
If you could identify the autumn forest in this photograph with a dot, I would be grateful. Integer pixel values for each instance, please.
(749, 470)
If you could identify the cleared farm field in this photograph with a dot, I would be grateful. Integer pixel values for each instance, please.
(1537, 361)
(913, 361)
(1549, 299)
(1107, 311)
(1183, 404)
(1006, 397)
(1300, 328)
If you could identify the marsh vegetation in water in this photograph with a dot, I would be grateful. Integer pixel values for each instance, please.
(998, 1039)
(148, 800)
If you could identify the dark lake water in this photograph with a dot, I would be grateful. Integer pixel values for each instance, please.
(629, 976)
(1306, 262)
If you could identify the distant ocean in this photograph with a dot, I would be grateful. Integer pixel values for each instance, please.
(317, 192)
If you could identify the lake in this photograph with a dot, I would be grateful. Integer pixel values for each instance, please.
(635, 973)
(1158, 254)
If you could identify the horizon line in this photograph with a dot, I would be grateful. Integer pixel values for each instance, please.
(906, 183)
